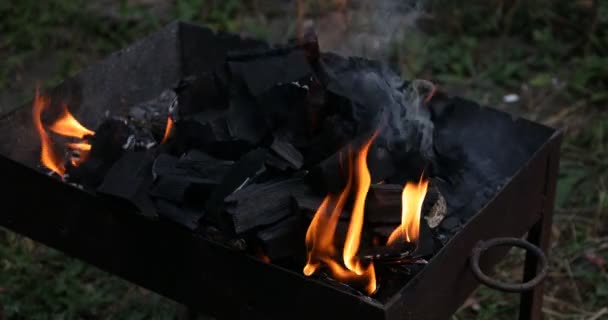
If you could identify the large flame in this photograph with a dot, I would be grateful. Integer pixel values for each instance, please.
(412, 199)
(65, 125)
(49, 157)
(321, 232)
(68, 126)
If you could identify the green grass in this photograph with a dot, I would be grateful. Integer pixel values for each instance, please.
(553, 53)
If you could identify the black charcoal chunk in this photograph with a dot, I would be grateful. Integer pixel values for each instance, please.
(186, 217)
(261, 204)
(287, 152)
(261, 73)
(383, 205)
(380, 163)
(183, 189)
(129, 180)
(249, 166)
(283, 239)
(199, 93)
(107, 146)
(331, 174)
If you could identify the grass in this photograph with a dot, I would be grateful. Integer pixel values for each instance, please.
(552, 53)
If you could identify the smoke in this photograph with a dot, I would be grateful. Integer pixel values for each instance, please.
(369, 29)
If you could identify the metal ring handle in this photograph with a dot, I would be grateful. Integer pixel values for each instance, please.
(482, 246)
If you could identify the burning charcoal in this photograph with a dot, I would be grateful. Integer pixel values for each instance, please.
(426, 244)
(384, 204)
(284, 239)
(287, 152)
(129, 179)
(152, 115)
(261, 73)
(185, 217)
(438, 208)
(200, 93)
(261, 204)
(240, 173)
(388, 253)
(106, 148)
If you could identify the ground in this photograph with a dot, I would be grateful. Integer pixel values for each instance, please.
(551, 56)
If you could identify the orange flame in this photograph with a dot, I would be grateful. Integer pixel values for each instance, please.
(321, 232)
(68, 126)
(168, 129)
(412, 199)
(80, 146)
(48, 155)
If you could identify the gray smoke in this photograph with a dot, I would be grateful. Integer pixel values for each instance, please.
(368, 28)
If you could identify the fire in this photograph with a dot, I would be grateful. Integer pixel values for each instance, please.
(412, 199)
(168, 129)
(321, 232)
(68, 126)
(48, 155)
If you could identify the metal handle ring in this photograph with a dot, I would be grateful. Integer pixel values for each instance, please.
(482, 246)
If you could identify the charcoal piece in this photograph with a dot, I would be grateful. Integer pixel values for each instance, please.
(201, 92)
(287, 152)
(330, 175)
(434, 207)
(261, 204)
(245, 121)
(152, 115)
(380, 163)
(182, 189)
(277, 163)
(383, 231)
(284, 239)
(129, 180)
(250, 165)
(186, 217)
(383, 204)
(106, 148)
(202, 165)
(263, 72)
(194, 165)
(425, 245)
(450, 223)
(308, 204)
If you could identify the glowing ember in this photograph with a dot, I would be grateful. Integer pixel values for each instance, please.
(412, 199)
(321, 232)
(68, 126)
(168, 129)
(48, 155)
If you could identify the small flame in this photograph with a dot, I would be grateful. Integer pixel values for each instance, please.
(68, 126)
(168, 129)
(48, 155)
(321, 232)
(80, 146)
(412, 199)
